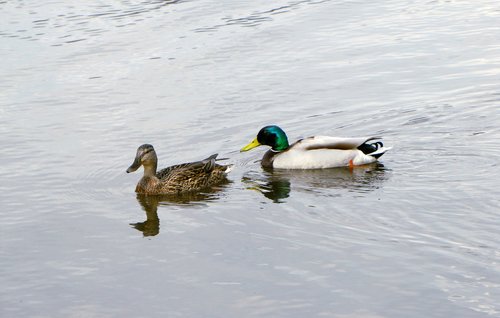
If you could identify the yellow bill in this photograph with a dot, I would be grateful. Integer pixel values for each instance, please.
(251, 145)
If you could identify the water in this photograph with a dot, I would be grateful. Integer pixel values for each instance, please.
(83, 85)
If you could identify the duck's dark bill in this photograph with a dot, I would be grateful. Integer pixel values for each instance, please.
(135, 165)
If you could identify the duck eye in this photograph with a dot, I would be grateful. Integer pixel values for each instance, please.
(272, 137)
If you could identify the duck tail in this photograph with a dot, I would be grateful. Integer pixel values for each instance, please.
(209, 163)
(229, 168)
(375, 149)
(379, 152)
(212, 157)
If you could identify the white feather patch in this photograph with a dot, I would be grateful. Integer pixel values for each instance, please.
(331, 142)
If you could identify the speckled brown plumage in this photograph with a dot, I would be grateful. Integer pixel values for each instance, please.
(187, 177)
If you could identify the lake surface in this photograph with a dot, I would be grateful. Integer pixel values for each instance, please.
(84, 84)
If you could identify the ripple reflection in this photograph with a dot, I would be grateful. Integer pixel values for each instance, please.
(150, 203)
(79, 22)
(257, 18)
(276, 185)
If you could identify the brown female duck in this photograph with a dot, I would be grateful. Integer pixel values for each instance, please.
(186, 177)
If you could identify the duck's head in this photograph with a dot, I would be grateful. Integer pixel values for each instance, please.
(272, 136)
(146, 156)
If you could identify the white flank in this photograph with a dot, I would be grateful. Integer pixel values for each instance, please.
(314, 159)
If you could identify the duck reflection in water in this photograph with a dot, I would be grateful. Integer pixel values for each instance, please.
(274, 187)
(151, 226)
(276, 184)
(150, 203)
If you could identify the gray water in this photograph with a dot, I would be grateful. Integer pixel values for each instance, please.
(84, 84)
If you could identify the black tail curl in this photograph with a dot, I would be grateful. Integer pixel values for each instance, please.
(367, 148)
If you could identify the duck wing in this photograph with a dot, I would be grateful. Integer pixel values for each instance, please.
(190, 168)
(327, 142)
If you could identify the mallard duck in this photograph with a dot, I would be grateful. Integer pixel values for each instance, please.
(180, 178)
(315, 152)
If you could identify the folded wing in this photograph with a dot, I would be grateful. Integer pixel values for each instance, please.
(327, 142)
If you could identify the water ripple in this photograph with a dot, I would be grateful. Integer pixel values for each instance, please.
(41, 23)
(257, 18)
(84, 84)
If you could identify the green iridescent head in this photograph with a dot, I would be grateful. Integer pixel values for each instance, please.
(272, 136)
